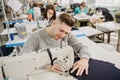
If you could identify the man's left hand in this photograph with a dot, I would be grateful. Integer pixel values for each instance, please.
(81, 65)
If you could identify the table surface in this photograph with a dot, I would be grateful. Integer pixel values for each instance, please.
(29, 27)
(11, 30)
(100, 53)
(108, 26)
(86, 17)
(86, 31)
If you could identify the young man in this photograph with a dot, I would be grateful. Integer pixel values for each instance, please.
(53, 36)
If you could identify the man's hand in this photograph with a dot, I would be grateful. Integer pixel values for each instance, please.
(54, 68)
(81, 65)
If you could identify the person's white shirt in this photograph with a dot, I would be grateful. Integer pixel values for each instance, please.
(37, 13)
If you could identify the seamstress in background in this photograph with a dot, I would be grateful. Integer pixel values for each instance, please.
(54, 36)
(49, 14)
(34, 13)
(77, 8)
(30, 12)
(83, 8)
(57, 7)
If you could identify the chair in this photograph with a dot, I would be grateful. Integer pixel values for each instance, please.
(5, 51)
(1, 53)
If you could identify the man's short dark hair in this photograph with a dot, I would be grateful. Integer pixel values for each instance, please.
(67, 19)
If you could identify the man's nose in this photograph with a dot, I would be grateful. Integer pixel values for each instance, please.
(63, 34)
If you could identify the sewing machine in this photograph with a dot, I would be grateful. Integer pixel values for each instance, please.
(32, 66)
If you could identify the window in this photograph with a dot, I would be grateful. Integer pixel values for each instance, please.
(65, 2)
(78, 1)
(107, 2)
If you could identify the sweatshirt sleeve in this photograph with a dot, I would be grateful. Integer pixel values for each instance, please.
(30, 45)
(80, 49)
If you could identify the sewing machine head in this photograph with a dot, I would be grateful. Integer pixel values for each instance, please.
(64, 58)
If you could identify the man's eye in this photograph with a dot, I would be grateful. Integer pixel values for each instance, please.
(63, 31)
(66, 33)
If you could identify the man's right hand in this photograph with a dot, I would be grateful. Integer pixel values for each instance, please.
(54, 68)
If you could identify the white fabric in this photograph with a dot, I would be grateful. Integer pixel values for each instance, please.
(45, 75)
(37, 13)
(15, 5)
(106, 46)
